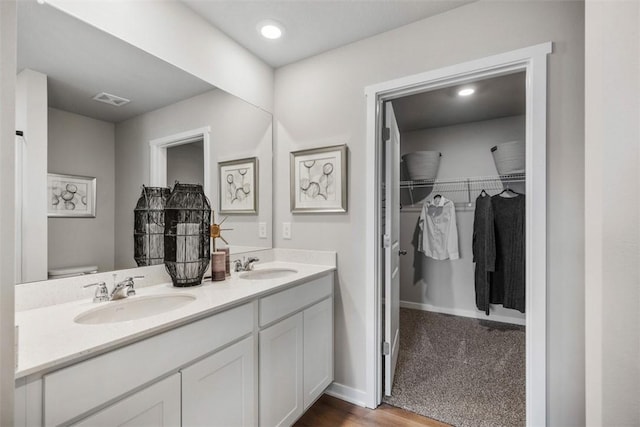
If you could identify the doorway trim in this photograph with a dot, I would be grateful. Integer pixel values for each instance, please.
(533, 61)
(158, 156)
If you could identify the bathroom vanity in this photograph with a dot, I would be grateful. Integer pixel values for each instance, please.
(246, 351)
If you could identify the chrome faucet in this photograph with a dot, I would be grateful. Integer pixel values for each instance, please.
(124, 289)
(245, 264)
(121, 289)
(102, 293)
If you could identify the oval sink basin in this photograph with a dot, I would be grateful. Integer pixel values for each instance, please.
(133, 308)
(267, 273)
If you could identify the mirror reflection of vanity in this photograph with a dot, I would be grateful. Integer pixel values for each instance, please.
(62, 64)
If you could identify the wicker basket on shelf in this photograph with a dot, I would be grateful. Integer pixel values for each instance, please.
(422, 164)
(509, 157)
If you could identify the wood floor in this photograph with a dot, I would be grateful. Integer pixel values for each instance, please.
(331, 412)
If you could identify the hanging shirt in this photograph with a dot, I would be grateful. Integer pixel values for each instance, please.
(438, 231)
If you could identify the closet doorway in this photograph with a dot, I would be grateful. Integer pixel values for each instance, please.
(459, 183)
(460, 198)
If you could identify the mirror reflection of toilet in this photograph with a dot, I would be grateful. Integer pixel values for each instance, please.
(59, 273)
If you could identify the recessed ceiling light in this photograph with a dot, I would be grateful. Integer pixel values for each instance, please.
(270, 30)
(466, 91)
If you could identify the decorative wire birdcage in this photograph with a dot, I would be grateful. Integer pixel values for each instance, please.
(148, 230)
(186, 234)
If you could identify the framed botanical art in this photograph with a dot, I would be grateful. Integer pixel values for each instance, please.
(319, 180)
(239, 186)
(71, 196)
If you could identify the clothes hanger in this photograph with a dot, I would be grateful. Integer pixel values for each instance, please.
(508, 189)
(484, 193)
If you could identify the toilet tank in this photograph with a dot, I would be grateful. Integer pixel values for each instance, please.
(59, 273)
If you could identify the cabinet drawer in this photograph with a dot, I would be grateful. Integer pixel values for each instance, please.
(284, 303)
(78, 389)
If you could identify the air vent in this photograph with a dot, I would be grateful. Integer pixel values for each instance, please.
(114, 100)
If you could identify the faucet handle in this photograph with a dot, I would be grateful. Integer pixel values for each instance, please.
(131, 291)
(102, 293)
(248, 265)
(130, 285)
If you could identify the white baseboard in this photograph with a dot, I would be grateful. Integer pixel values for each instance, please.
(463, 313)
(348, 394)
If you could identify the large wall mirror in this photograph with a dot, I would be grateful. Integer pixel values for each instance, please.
(63, 63)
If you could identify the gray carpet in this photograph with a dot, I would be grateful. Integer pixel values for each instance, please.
(461, 371)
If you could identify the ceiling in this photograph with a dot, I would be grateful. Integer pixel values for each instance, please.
(497, 97)
(81, 61)
(312, 26)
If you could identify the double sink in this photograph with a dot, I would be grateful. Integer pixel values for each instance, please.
(138, 307)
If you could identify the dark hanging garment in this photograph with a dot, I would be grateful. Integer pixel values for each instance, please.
(509, 276)
(484, 251)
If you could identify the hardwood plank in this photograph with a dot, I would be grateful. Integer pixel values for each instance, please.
(332, 412)
(411, 416)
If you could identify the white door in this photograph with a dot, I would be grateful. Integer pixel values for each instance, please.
(392, 247)
(281, 372)
(155, 406)
(220, 389)
(18, 203)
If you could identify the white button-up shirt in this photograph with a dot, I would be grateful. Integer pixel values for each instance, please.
(438, 231)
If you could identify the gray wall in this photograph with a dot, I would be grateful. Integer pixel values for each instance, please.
(238, 130)
(185, 164)
(466, 152)
(79, 145)
(320, 101)
(7, 210)
(612, 232)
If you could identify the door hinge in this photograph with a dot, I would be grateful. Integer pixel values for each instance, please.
(386, 134)
(386, 349)
(386, 240)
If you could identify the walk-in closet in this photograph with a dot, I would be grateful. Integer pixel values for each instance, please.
(461, 357)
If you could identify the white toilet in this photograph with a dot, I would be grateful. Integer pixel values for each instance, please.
(59, 273)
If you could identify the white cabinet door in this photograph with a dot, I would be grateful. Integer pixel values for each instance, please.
(28, 403)
(281, 372)
(79, 389)
(318, 350)
(220, 389)
(155, 406)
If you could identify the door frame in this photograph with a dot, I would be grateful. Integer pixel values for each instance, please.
(533, 61)
(158, 156)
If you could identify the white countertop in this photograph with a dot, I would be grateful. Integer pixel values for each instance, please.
(49, 338)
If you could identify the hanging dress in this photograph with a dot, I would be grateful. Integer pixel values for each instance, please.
(508, 281)
(484, 250)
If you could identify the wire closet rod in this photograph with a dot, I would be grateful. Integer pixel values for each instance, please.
(469, 185)
(464, 181)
